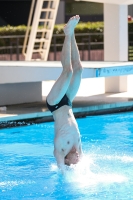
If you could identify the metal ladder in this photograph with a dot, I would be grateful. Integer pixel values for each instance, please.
(40, 28)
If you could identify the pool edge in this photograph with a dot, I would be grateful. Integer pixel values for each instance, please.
(82, 111)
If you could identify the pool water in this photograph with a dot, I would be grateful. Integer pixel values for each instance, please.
(28, 169)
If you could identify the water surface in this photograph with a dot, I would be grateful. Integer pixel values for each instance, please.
(28, 169)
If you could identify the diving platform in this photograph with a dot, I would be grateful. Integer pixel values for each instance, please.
(21, 82)
(23, 72)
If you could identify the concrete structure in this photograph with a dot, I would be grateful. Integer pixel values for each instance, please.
(117, 2)
(14, 115)
(130, 10)
(61, 13)
(21, 82)
(115, 39)
(115, 42)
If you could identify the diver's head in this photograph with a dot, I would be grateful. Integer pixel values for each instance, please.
(72, 157)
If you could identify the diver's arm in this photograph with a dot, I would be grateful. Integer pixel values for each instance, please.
(80, 151)
(60, 161)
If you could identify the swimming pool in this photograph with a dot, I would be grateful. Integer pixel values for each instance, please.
(28, 169)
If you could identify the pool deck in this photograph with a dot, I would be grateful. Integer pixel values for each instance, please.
(82, 106)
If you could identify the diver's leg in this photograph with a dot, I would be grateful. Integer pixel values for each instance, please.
(61, 85)
(77, 68)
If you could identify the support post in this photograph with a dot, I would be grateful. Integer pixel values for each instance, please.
(115, 42)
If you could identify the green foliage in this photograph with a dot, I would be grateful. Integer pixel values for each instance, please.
(130, 26)
(12, 30)
(89, 27)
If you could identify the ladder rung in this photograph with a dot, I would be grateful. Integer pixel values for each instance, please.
(48, 9)
(45, 20)
(50, 0)
(38, 50)
(43, 30)
(41, 40)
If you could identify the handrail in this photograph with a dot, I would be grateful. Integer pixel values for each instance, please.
(12, 36)
(57, 35)
(28, 27)
(15, 46)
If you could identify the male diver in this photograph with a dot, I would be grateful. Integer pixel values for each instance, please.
(67, 141)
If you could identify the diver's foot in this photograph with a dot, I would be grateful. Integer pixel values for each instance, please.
(70, 26)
